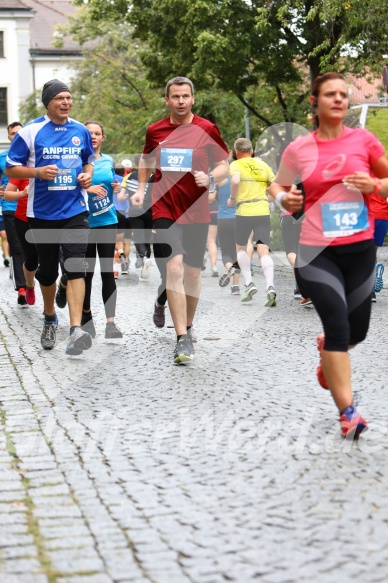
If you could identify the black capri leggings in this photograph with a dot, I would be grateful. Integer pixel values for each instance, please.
(227, 240)
(102, 240)
(339, 280)
(30, 253)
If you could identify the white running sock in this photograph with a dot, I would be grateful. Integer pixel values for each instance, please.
(245, 266)
(267, 266)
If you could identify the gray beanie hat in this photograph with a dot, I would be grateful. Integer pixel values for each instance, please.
(51, 89)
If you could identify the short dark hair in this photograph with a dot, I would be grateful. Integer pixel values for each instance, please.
(14, 124)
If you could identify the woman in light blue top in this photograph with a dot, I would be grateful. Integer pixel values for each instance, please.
(102, 237)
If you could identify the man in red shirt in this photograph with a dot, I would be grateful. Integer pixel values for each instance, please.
(190, 157)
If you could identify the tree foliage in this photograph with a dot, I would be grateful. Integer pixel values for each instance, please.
(110, 85)
(240, 45)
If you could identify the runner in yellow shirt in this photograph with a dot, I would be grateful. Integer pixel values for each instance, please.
(250, 178)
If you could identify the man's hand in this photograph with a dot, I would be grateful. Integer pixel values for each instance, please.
(47, 172)
(85, 180)
(137, 199)
(201, 179)
(231, 202)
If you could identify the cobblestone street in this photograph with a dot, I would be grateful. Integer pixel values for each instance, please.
(119, 467)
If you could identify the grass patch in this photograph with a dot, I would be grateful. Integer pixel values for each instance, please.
(377, 123)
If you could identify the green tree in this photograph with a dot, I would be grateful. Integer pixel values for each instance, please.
(239, 45)
(110, 84)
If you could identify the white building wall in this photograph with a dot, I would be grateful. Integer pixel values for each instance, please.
(14, 67)
(20, 72)
(50, 68)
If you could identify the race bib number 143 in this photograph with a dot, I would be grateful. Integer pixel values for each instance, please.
(341, 219)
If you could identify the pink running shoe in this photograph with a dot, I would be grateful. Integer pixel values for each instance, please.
(320, 375)
(30, 296)
(352, 424)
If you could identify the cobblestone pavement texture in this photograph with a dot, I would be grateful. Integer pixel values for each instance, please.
(118, 467)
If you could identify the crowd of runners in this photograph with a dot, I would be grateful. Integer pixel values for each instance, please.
(65, 203)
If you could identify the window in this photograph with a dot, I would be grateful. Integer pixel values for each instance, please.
(3, 106)
(1, 43)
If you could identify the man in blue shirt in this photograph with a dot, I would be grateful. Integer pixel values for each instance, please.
(55, 152)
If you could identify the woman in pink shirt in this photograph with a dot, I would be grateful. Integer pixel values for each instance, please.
(336, 258)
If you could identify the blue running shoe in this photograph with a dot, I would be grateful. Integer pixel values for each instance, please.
(379, 278)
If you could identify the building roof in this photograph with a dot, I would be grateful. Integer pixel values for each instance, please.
(12, 5)
(47, 15)
(364, 89)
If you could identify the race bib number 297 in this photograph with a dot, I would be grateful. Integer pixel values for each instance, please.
(176, 159)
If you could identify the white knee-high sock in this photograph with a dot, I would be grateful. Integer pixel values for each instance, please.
(267, 266)
(245, 266)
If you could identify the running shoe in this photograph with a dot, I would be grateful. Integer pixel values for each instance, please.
(191, 333)
(88, 326)
(112, 331)
(225, 279)
(22, 297)
(145, 271)
(125, 267)
(116, 274)
(7, 261)
(271, 297)
(379, 284)
(139, 261)
(305, 302)
(184, 350)
(352, 424)
(373, 297)
(320, 375)
(249, 292)
(214, 272)
(297, 294)
(49, 334)
(60, 296)
(30, 296)
(79, 340)
(159, 315)
(235, 290)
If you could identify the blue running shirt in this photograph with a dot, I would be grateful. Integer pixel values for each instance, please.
(42, 142)
(102, 211)
(7, 205)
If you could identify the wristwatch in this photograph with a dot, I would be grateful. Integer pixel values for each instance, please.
(212, 184)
